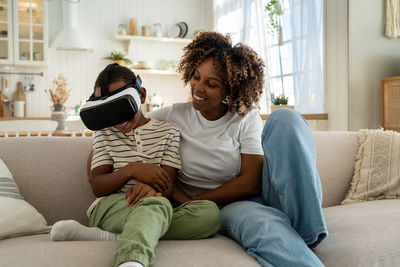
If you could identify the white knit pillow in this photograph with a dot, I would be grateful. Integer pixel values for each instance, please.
(377, 167)
(18, 217)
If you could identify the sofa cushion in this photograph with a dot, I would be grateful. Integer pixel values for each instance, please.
(362, 234)
(377, 169)
(39, 250)
(51, 171)
(335, 164)
(51, 174)
(18, 216)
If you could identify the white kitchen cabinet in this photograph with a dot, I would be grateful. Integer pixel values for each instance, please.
(6, 30)
(23, 32)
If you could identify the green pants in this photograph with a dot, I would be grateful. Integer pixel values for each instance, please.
(151, 219)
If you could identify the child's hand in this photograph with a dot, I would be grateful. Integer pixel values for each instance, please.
(152, 175)
(139, 191)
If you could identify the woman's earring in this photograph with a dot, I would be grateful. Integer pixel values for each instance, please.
(225, 100)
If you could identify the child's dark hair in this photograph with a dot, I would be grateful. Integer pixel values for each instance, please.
(116, 74)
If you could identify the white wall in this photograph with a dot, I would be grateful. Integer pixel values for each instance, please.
(337, 65)
(357, 59)
(99, 20)
(372, 56)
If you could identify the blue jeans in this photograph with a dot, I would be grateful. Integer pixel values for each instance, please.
(278, 227)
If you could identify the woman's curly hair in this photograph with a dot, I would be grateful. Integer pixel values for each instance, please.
(240, 68)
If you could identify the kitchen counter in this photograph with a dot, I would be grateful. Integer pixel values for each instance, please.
(67, 118)
(8, 124)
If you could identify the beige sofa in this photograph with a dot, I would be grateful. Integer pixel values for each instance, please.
(51, 174)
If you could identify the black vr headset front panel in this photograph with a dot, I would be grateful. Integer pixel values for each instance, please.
(108, 109)
(111, 113)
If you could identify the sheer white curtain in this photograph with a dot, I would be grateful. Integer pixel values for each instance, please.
(302, 53)
(244, 20)
(392, 18)
(307, 31)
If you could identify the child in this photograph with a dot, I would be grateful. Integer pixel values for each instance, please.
(132, 173)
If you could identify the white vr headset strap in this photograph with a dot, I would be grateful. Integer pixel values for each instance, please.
(131, 91)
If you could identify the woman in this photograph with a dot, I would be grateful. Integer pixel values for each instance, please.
(265, 181)
(222, 160)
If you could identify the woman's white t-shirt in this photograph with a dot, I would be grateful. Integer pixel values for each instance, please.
(210, 150)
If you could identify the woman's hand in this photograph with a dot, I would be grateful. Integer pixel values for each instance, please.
(139, 191)
(151, 174)
(180, 196)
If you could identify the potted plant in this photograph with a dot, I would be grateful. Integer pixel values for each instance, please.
(59, 95)
(273, 9)
(119, 57)
(281, 101)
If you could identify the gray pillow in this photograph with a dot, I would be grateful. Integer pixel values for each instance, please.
(18, 216)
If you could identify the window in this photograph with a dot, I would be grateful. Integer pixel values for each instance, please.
(244, 21)
(295, 66)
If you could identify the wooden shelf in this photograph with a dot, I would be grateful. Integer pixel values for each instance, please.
(172, 47)
(154, 71)
(152, 39)
(46, 133)
(24, 118)
(323, 116)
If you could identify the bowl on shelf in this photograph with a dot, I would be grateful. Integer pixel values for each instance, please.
(146, 64)
(169, 65)
(69, 111)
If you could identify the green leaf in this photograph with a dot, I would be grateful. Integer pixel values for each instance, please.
(119, 55)
(273, 14)
(281, 100)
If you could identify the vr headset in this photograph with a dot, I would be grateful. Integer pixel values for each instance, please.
(113, 108)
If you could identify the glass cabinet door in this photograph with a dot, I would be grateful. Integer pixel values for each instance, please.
(6, 37)
(30, 31)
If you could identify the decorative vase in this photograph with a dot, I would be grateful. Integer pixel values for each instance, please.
(58, 107)
(59, 117)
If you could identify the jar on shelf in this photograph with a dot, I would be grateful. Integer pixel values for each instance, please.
(132, 26)
(145, 30)
(156, 30)
(122, 29)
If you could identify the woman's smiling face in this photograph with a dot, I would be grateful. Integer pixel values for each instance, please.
(208, 91)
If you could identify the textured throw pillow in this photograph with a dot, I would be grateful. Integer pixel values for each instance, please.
(377, 167)
(18, 217)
